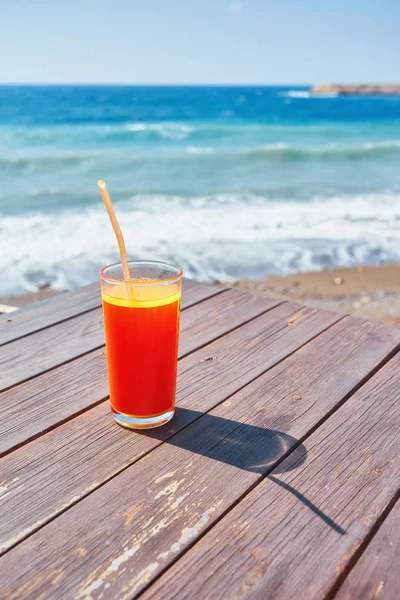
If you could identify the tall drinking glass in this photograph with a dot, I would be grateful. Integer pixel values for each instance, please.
(141, 322)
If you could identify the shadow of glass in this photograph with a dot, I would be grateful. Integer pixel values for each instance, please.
(248, 447)
(245, 446)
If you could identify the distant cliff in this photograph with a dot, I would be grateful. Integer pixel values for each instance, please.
(356, 90)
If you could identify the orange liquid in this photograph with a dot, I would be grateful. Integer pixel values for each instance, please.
(142, 348)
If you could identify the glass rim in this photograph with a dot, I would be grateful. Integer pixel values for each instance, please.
(151, 282)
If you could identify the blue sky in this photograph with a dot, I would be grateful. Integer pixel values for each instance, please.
(200, 41)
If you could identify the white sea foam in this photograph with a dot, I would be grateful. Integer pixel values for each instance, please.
(199, 150)
(136, 127)
(172, 131)
(217, 237)
(383, 144)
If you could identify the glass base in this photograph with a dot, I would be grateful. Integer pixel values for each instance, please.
(142, 422)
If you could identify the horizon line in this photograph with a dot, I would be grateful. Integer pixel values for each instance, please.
(154, 84)
(188, 85)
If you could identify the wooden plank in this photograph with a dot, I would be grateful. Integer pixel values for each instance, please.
(67, 390)
(180, 488)
(30, 356)
(33, 407)
(294, 534)
(66, 453)
(47, 348)
(219, 315)
(49, 312)
(60, 308)
(377, 574)
(193, 292)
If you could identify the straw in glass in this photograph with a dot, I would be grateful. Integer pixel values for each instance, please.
(118, 233)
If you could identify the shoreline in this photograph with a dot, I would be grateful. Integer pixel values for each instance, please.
(369, 292)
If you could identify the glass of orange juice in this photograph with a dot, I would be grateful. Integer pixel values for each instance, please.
(141, 323)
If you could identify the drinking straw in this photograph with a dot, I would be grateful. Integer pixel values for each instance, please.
(118, 233)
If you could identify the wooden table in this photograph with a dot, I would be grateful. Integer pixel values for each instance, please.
(278, 477)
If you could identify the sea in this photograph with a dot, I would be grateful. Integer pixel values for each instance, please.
(229, 182)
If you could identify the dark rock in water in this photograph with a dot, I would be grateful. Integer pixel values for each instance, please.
(389, 89)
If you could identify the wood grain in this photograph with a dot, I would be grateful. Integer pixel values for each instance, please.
(193, 292)
(219, 315)
(376, 575)
(46, 349)
(190, 481)
(32, 355)
(293, 535)
(202, 384)
(49, 312)
(60, 308)
(39, 404)
(70, 388)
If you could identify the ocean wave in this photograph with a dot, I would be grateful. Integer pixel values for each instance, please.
(21, 144)
(53, 135)
(285, 151)
(45, 159)
(133, 157)
(221, 236)
(171, 131)
(63, 135)
(44, 163)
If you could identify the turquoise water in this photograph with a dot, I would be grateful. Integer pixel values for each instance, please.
(228, 181)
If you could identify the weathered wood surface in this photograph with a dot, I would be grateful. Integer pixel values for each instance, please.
(33, 317)
(217, 316)
(49, 312)
(55, 396)
(46, 349)
(227, 450)
(193, 292)
(69, 451)
(58, 394)
(38, 316)
(72, 387)
(279, 467)
(294, 534)
(376, 575)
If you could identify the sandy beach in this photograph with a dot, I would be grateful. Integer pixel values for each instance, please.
(365, 291)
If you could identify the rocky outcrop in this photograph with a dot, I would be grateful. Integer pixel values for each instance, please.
(356, 90)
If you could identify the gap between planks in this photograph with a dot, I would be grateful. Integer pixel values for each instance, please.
(337, 587)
